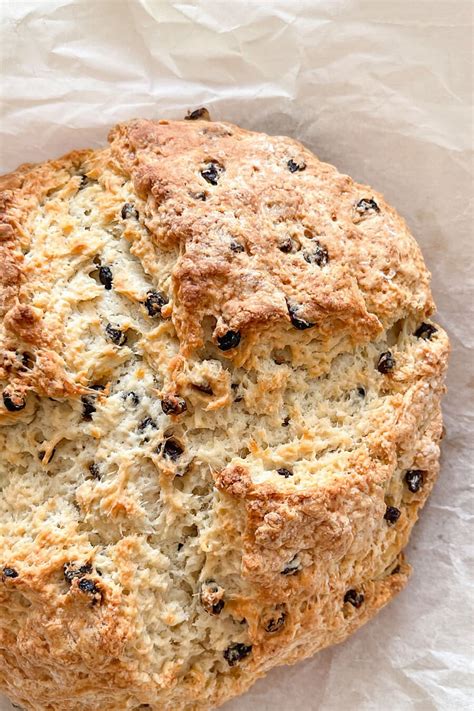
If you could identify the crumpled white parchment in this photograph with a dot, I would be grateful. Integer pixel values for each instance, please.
(382, 90)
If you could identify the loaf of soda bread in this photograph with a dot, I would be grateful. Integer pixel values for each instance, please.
(220, 414)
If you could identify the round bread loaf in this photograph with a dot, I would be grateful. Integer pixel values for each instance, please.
(220, 415)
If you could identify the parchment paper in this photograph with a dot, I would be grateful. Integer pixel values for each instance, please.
(382, 89)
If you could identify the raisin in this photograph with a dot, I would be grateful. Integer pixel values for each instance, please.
(133, 397)
(94, 470)
(294, 167)
(26, 361)
(365, 205)
(211, 173)
(10, 572)
(128, 210)
(392, 514)
(386, 362)
(235, 388)
(198, 115)
(236, 652)
(105, 277)
(286, 422)
(211, 597)
(13, 403)
(284, 472)
(179, 546)
(354, 598)
(88, 404)
(300, 323)
(88, 408)
(147, 422)
(173, 405)
(199, 196)
(293, 567)
(317, 255)
(414, 480)
(172, 449)
(88, 586)
(229, 340)
(218, 607)
(70, 572)
(84, 182)
(274, 624)
(203, 388)
(287, 245)
(425, 331)
(236, 246)
(154, 302)
(361, 391)
(115, 335)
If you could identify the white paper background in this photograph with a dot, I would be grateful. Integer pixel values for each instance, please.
(383, 90)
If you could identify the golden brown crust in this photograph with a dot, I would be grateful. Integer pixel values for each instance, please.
(259, 204)
(221, 415)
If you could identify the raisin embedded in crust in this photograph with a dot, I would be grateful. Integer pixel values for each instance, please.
(425, 331)
(201, 195)
(366, 205)
(89, 587)
(118, 337)
(212, 173)
(287, 245)
(203, 388)
(128, 210)
(132, 397)
(172, 449)
(198, 115)
(88, 407)
(386, 363)
(212, 597)
(229, 340)
(88, 403)
(392, 514)
(71, 572)
(106, 277)
(147, 422)
(154, 302)
(354, 598)
(94, 470)
(414, 480)
(236, 246)
(12, 402)
(295, 166)
(292, 567)
(276, 621)
(173, 405)
(300, 323)
(236, 652)
(284, 472)
(9, 572)
(316, 255)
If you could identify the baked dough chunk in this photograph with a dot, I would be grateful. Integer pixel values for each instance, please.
(219, 410)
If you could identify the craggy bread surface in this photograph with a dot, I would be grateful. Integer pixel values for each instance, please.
(220, 416)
